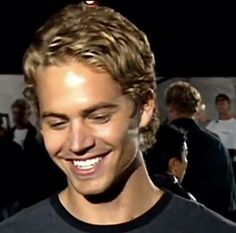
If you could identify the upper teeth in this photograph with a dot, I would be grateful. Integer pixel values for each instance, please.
(89, 163)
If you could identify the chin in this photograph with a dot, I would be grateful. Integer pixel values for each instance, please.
(91, 187)
(92, 191)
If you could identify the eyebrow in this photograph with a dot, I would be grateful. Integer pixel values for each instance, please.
(54, 115)
(84, 112)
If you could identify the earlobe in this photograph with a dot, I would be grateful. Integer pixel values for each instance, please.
(148, 109)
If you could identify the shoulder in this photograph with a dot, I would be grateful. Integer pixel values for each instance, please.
(195, 217)
(210, 139)
(233, 122)
(206, 137)
(211, 123)
(27, 219)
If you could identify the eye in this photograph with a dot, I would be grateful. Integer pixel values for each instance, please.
(100, 118)
(58, 125)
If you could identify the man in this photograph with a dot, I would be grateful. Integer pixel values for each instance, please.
(209, 175)
(23, 132)
(10, 151)
(34, 158)
(95, 83)
(225, 125)
(167, 160)
(4, 118)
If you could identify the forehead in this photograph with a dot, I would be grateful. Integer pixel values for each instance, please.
(223, 101)
(75, 83)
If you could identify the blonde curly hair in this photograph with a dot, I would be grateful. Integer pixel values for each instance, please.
(103, 39)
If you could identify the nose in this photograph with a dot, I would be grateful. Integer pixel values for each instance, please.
(81, 138)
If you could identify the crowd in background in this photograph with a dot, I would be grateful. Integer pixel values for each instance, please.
(192, 157)
(27, 174)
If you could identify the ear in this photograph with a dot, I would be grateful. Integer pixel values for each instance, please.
(147, 110)
(173, 166)
(172, 108)
(172, 112)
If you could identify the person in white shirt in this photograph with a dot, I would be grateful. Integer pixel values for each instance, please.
(225, 125)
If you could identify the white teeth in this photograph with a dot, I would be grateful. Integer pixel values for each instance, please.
(87, 164)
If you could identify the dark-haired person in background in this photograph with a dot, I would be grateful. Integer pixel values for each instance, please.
(167, 160)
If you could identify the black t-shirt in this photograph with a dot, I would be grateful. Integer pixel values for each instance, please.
(171, 214)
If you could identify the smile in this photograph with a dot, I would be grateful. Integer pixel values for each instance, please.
(88, 163)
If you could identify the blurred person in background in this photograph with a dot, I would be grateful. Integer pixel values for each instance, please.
(209, 175)
(225, 125)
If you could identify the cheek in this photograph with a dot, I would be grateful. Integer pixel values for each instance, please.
(183, 167)
(118, 134)
(54, 141)
(127, 148)
(124, 143)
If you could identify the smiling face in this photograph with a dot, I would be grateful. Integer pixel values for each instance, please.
(87, 126)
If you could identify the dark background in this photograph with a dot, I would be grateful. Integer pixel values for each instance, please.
(188, 40)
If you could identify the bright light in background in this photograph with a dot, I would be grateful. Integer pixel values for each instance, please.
(91, 3)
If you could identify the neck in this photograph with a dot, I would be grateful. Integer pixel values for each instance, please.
(225, 116)
(22, 125)
(179, 115)
(137, 196)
